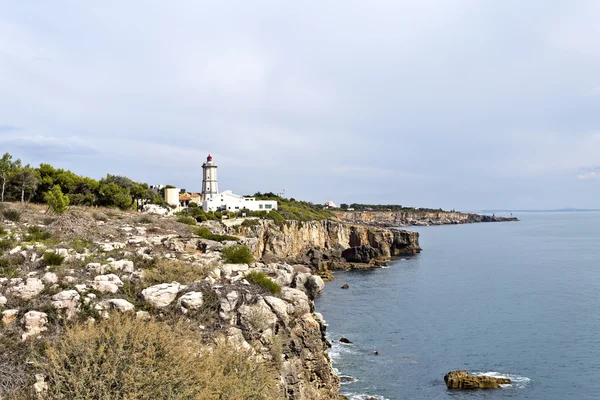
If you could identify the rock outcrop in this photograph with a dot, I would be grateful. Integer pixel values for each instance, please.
(320, 244)
(414, 218)
(464, 380)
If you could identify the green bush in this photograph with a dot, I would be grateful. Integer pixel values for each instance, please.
(145, 220)
(2, 230)
(125, 358)
(205, 233)
(260, 279)
(166, 271)
(186, 220)
(274, 216)
(7, 244)
(9, 267)
(11, 215)
(57, 201)
(249, 223)
(237, 254)
(52, 259)
(36, 234)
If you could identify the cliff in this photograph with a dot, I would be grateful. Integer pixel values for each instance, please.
(321, 244)
(414, 218)
(89, 266)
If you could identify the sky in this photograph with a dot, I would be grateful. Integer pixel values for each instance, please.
(458, 104)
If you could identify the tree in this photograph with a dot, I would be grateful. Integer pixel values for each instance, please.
(112, 195)
(7, 166)
(27, 179)
(56, 200)
(344, 206)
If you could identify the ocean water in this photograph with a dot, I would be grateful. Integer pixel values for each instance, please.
(510, 299)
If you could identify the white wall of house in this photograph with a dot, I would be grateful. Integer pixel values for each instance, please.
(172, 196)
(232, 202)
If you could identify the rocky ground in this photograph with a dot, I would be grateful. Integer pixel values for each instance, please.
(89, 263)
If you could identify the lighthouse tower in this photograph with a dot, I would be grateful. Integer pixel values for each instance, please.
(210, 186)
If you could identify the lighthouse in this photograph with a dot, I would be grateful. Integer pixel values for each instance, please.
(210, 186)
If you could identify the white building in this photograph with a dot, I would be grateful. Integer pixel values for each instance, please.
(227, 201)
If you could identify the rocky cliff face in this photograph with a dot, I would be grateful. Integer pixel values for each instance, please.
(416, 218)
(109, 265)
(294, 238)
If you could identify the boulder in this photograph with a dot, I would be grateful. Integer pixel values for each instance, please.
(34, 322)
(344, 340)
(50, 278)
(314, 285)
(361, 254)
(109, 283)
(464, 380)
(121, 265)
(9, 316)
(28, 289)
(227, 305)
(257, 317)
(161, 295)
(346, 286)
(120, 305)
(191, 301)
(3, 300)
(67, 300)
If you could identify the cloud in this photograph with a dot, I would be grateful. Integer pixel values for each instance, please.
(589, 174)
(49, 146)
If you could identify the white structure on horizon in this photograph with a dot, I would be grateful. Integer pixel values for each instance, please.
(330, 204)
(227, 201)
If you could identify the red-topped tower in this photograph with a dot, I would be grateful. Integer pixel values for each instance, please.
(210, 186)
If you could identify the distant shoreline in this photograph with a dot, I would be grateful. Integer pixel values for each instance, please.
(543, 211)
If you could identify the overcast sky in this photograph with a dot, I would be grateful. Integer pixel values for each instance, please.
(466, 104)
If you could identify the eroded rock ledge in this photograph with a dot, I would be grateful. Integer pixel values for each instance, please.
(326, 245)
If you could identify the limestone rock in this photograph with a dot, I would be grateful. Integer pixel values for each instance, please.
(228, 304)
(109, 283)
(464, 380)
(50, 278)
(120, 305)
(279, 307)
(361, 254)
(191, 301)
(231, 269)
(161, 295)
(121, 265)
(257, 317)
(299, 304)
(40, 386)
(34, 323)
(346, 286)
(67, 300)
(9, 316)
(3, 300)
(28, 289)
(314, 286)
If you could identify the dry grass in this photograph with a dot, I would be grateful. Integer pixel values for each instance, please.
(168, 271)
(125, 358)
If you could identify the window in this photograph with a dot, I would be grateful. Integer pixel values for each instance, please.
(260, 206)
(268, 206)
(237, 208)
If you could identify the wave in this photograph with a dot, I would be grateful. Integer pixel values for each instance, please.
(347, 379)
(518, 382)
(363, 396)
(337, 349)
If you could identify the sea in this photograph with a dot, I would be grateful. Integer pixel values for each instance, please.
(513, 299)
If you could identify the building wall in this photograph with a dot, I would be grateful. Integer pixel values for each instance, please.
(172, 196)
(231, 202)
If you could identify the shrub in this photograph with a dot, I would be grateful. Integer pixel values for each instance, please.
(9, 267)
(145, 220)
(52, 259)
(263, 281)
(7, 244)
(275, 216)
(237, 254)
(100, 217)
(186, 220)
(2, 230)
(36, 234)
(169, 271)
(11, 215)
(249, 223)
(80, 245)
(57, 201)
(126, 358)
(205, 233)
